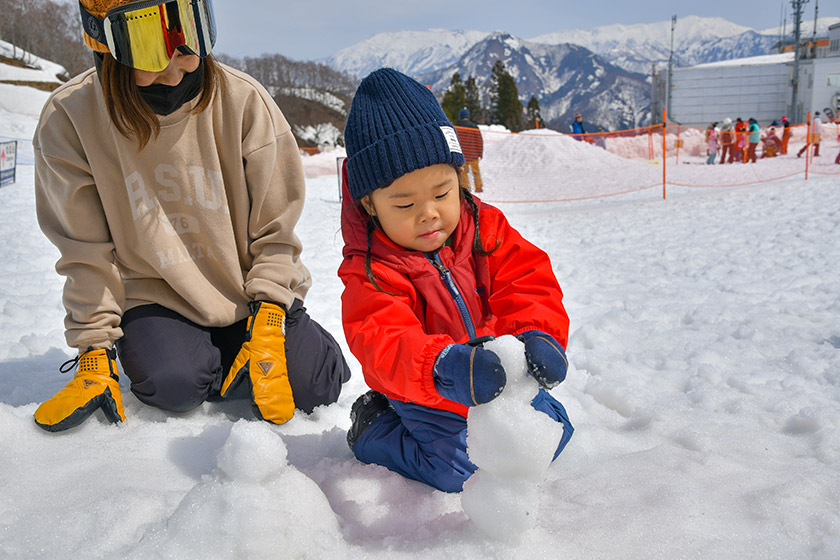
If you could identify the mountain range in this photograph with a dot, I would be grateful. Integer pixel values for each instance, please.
(564, 78)
(603, 73)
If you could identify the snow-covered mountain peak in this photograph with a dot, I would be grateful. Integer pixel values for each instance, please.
(413, 52)
(688, 30)
(806, 29)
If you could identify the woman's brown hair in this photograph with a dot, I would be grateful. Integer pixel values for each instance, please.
(130, 113)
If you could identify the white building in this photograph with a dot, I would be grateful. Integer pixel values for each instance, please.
(760, 87)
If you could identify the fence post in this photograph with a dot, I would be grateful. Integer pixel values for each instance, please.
(808, 145)
(664, 150)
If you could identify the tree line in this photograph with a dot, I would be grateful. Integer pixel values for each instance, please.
(276, 73)
(505, 108)
(48, 29)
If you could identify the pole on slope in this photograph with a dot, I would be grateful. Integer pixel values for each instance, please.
(664, 148)
(797, 6)
(671, 65)
(808, 146)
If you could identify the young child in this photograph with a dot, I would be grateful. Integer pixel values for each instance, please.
(430, 273)
(711, 143)
(837, 159)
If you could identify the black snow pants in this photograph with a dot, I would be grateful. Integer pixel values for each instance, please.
(175, 364)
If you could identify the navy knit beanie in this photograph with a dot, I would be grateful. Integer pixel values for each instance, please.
(395, 126)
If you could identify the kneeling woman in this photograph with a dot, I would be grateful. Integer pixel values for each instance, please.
(171, 186)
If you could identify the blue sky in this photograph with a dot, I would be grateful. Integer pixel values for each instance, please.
(305, 30)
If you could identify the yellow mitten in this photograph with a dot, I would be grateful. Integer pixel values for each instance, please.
(262, 360)
(96, 385)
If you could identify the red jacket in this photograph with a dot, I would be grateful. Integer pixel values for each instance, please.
(396, 336)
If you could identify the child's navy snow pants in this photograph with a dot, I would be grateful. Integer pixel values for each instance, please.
(175, 364)
(430, 445)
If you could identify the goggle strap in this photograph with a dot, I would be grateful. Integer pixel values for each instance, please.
(93, 26)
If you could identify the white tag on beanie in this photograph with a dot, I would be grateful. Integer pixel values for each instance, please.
(451, 139)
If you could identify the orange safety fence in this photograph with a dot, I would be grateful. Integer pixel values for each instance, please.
(544, 165)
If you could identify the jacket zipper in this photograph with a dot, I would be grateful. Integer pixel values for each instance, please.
(449, 282)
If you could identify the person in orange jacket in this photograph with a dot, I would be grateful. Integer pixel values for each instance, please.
(786, 134)
(740, 150)
(431, 272)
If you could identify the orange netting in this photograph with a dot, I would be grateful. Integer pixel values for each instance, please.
(543, 165)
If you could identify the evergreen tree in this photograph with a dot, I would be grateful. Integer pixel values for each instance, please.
(532, 112)
(504, 99)
(455, 98)
(473, 101)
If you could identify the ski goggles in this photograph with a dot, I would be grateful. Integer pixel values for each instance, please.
(145, 34)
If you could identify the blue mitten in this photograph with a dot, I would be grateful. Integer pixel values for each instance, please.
(469, 375)
(546, 358)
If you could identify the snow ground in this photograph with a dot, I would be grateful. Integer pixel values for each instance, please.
(704, 387)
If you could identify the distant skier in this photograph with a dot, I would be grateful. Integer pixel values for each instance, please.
(429, 273)
(786, 134)
(753, 137)
(772, 143)
(473, 145)
(578, 129)
(816, 129)
(837, 159)
(600, 139)
(740, 148)
(711, 143)
(727, 140)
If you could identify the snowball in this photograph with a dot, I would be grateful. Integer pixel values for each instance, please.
(252, 452)
(510, 438)
(255, 506)
(507, 436)
(512, 444)
(501, 507)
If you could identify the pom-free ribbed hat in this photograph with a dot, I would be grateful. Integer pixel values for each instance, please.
(395, 126)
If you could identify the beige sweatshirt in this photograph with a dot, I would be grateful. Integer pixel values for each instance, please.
(201, 221)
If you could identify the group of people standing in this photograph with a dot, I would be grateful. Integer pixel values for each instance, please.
(738, 141)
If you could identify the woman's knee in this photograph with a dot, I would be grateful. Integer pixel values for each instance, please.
(171, 392)
(170, 361)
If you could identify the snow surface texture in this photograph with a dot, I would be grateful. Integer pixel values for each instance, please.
(704, 385)
(512, 445)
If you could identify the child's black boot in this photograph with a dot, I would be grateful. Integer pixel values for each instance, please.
(364, 411)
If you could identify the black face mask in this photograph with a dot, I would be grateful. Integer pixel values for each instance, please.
(167, 99)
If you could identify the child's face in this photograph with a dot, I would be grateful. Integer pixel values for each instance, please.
(420, 210)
